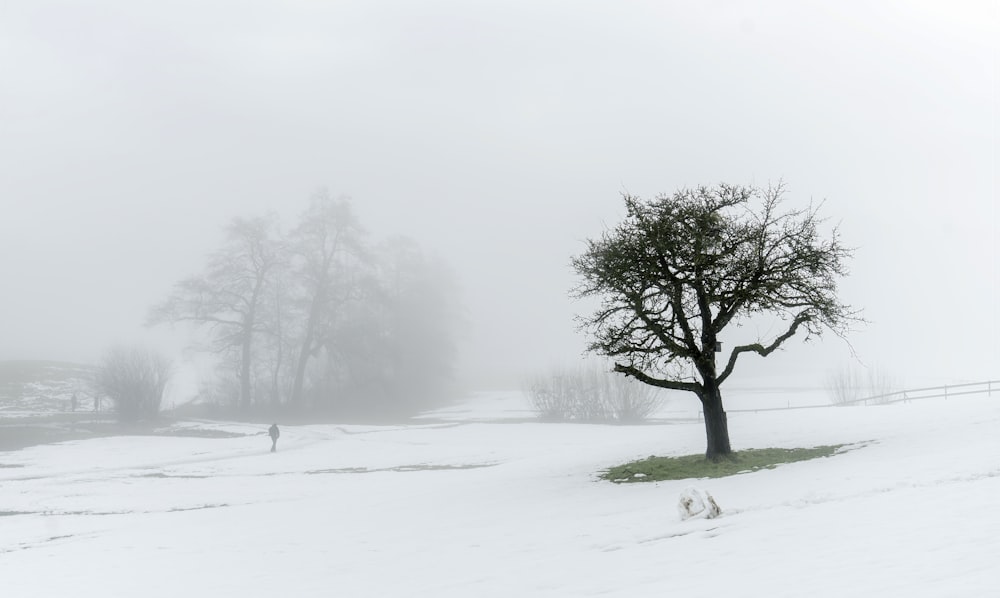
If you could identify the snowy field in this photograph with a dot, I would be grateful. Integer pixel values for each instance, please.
(474, 501)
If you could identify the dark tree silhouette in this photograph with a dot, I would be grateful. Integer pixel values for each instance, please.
(327, 238)
(228, 298)
(682, 267)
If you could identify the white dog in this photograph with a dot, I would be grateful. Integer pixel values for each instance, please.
(697, 503)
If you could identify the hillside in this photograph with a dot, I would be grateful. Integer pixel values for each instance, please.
(39, 387)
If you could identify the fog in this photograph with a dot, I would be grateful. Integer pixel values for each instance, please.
(499, 137)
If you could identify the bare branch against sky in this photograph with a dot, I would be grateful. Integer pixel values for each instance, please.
(500, 136)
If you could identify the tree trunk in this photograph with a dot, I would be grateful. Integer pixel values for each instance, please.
(275, 380)
(245, 372)
(249, 321)
(279, 350)
(716, 424)
(305, 351)
(300, 371)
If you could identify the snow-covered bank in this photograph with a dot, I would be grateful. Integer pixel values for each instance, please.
(511, 509)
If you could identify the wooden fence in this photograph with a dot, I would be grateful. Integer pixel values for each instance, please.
(930, 392)
(900, 396)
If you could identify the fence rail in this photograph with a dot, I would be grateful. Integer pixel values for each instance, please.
(900, 396)
(930, 392)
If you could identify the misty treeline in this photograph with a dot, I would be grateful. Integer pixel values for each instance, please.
(319, 319)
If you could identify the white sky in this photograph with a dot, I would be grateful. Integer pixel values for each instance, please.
(500, 136)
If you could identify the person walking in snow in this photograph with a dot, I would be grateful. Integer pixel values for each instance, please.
(274, 434)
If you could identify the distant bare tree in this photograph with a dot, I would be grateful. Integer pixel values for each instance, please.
(386, 343)
(322, 245)
(134, 378)
(228, 298)
(421, 314)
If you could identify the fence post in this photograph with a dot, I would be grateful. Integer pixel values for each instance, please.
(946, 392)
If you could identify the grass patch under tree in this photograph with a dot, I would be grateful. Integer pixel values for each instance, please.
(654, 469)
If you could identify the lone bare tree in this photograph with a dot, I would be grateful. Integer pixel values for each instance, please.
(682, 267)
(228, 298)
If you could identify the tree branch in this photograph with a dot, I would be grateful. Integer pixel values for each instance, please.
(668, 384)
(761, 350)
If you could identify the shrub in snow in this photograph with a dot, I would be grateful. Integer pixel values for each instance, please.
(848, 386)
(135, 379)
(590, 394)
(697, 503)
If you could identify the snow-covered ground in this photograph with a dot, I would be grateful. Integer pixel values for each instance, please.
(477, 502)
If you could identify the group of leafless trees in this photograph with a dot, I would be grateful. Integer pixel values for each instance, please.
(318, 319)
